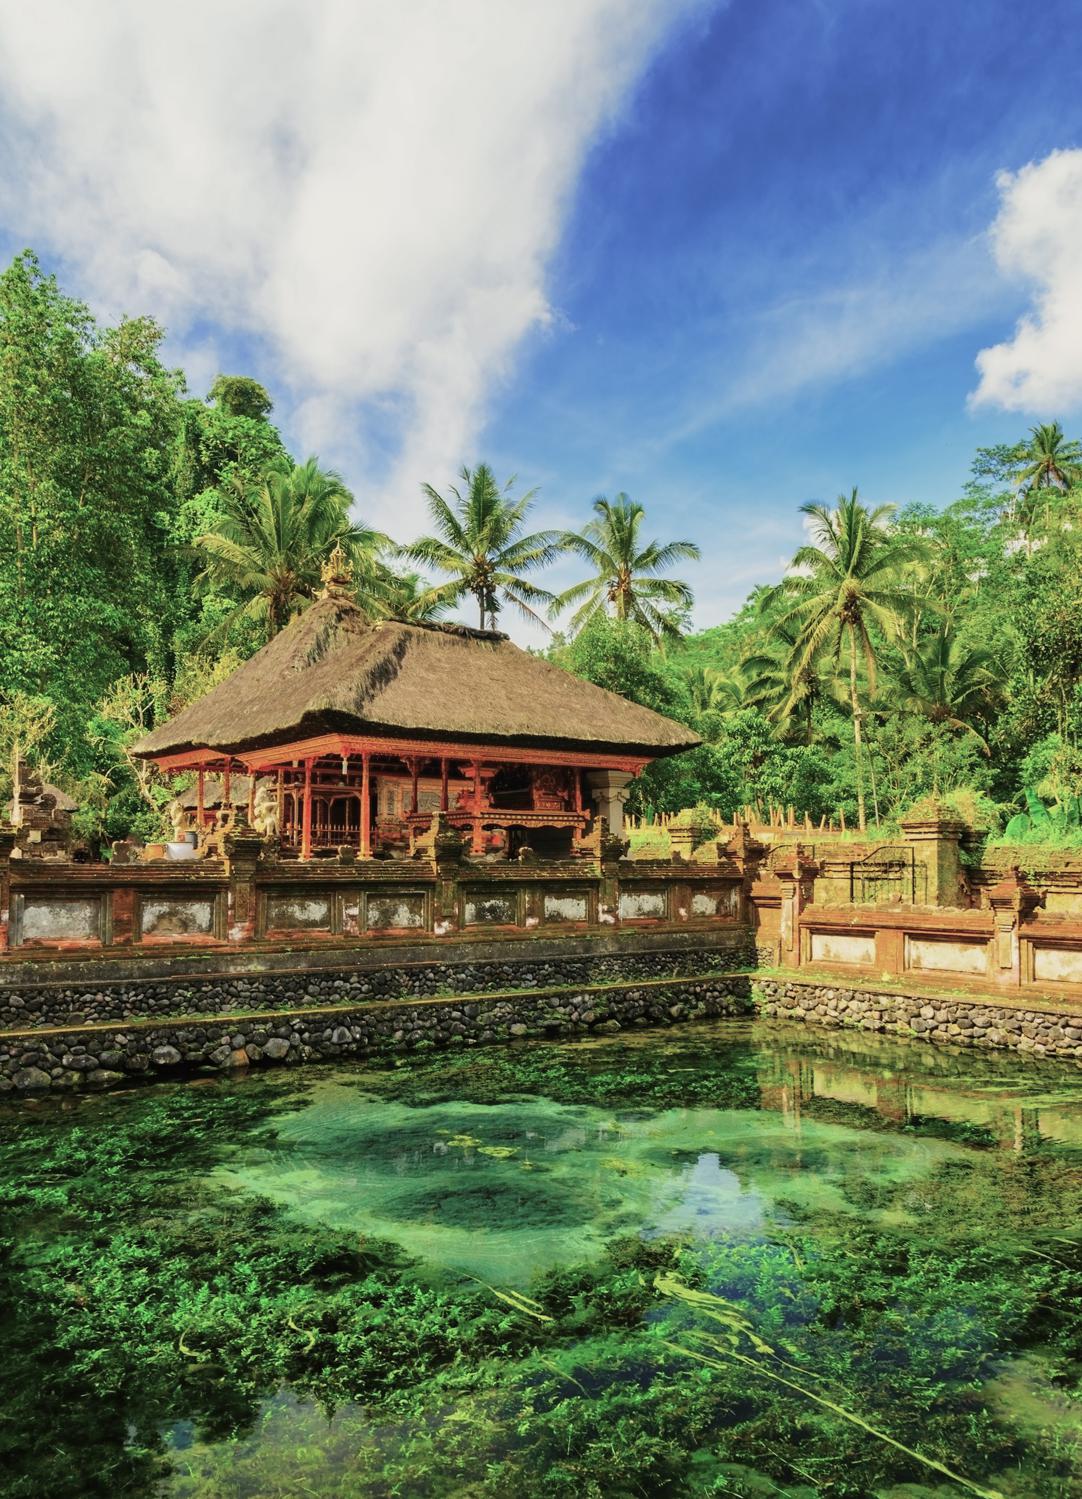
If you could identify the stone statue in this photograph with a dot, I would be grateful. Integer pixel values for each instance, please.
(265, 811)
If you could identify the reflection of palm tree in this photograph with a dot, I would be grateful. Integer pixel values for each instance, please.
(837, 590)
(478, 541)
(273, 537)
(626, 570)
(948, 682)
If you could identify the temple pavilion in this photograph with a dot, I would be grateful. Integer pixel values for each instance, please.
(352, 733)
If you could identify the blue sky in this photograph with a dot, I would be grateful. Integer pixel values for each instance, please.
(727, 257)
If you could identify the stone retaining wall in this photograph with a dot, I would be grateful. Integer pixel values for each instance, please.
(32, 1005)
(1049, 1032)
(110, 1055)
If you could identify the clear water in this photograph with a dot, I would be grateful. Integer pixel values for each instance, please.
(731, 1259)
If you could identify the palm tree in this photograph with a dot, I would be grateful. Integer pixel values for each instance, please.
(837, 591)
(479, 543)
(626, 570)
(773, 687)
(948, 682)
(712, 691)
(273, 537)
(411, 597)
(1049, 459)
(1047, 462)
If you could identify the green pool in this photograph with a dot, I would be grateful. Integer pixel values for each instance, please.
(732, 1259)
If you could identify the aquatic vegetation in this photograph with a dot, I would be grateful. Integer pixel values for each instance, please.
(308, 1283)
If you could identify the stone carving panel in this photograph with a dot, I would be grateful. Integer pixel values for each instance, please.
(944, 955)
(491, 909)
(642, 905)
(395, 912)
(298, 913)
(1057, 965)
(177, 918)
(75, 920)
(722, 902)
(567, 907)
(842, 947)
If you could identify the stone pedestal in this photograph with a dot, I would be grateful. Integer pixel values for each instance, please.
(243, 850)
(1012, 900)
(935, 835)
(609, 791)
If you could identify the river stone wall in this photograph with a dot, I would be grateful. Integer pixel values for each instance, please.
(1049, 1032)
(111, 1055)
(59, 1004)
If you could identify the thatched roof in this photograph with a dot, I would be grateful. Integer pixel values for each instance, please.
(333, 671)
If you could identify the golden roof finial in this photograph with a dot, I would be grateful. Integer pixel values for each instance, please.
(337, 574)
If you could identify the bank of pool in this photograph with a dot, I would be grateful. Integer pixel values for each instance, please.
(738, 1258)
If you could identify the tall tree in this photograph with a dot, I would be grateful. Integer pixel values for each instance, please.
(949, 682)
(88, 424)
(1048, 464)
(274, 536)
(837, 591)
(479, 542)
(627, 570)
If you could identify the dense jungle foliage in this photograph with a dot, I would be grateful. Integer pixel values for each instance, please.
(150, 541)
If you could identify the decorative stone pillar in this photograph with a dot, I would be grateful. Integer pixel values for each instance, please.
(1012, 900)
(795, 873)
(244, 849)
(609, 789)
(445, 849)
(7, 843)
(935, 832)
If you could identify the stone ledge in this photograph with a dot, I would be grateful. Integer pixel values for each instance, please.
(958, 1020)
(109, 1055)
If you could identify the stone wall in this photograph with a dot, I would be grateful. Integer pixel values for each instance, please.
(107, 1056)
(1053, 1031)
(30, 1005)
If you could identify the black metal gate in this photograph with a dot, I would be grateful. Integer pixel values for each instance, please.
(886, 874)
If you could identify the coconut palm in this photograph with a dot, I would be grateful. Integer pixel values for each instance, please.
(838, 591)
(776, 690)
(712, 691)
(626, 571)
(479, 542)
(1049, 460)
(948, 682)
(410, 596)
(273, 537)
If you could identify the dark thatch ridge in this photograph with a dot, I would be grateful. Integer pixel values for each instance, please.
(331, 670)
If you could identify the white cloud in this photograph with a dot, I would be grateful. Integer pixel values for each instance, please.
(369, 191)
(1037, 237)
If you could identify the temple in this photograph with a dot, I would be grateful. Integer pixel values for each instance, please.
(350, 733)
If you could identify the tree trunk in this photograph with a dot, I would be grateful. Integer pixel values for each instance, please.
(857, 742)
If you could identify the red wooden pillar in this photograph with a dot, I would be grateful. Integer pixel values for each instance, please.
(281, 803)
(443, 784)
(576, 788)
(477, 842)
(414, 767)
(251, 797)
(366, 807)
(227, 788)
(306, 813)
(200, 801)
